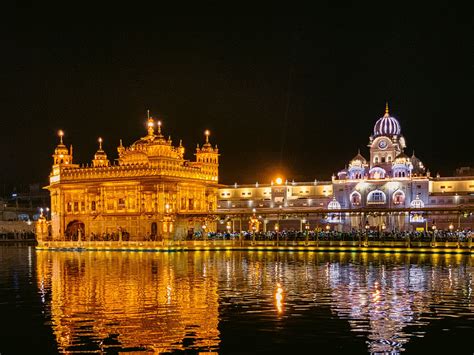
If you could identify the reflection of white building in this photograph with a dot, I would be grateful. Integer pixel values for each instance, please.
(388, 179)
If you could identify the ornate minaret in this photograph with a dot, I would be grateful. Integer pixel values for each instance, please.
(100, 157)
(208, 157)
(386, 143)
(61, 154)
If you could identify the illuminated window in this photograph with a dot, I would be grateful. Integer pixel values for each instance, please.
(355, 198)
(69, 207)
(76, 206)
(191, 204)
(398, 197)
(376, 196)
(93, 207)
(83, 205)
(121, 203)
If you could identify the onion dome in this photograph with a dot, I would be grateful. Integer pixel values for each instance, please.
(334, 204)
(359, 158)
(61, 154)
(387, 125)
(100, 157)
(401, 158)
(61, 148)
(207, 147)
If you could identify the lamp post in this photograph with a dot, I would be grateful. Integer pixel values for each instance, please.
(383, 227)
(366, 237)
(306, 228)
(433, 238)
(254, 228)
(204, 234)
(277, 227)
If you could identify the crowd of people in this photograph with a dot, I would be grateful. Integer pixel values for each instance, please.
(292, 235)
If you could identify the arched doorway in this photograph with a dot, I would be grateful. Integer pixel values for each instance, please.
(73, 229)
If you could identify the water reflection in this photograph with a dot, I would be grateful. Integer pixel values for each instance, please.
(177, 301)
(106, 301)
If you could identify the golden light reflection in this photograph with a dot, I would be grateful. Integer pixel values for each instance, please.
(279, 298)
(98, 298)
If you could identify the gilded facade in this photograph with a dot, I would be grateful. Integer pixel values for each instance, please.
(151, 193)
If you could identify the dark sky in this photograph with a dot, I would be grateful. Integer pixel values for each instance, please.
(297, 94)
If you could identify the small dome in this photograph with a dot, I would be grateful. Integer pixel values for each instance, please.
(387, 125)
(360, 158)
(417, 203)
(334, 204)
(401, 158)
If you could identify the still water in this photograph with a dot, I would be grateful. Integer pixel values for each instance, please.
(234, 302)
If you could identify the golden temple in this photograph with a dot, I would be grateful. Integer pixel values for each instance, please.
(151, 193)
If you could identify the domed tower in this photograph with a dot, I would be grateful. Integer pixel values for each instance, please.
(402, 166)
(386, 143)
(100, 157)
(357, 167)
(208, 157)
(61, 154)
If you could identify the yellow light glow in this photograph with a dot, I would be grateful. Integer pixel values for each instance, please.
(60, 133)
(279, 298)
(207, 132)
(279, 180)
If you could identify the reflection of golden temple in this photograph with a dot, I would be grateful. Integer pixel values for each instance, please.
(152, 193)
(139, 300)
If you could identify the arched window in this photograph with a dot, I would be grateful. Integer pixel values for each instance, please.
(389, 159)
(398, 197)
(376, 197)
(383, 160)
(355, 198)
(376, 160)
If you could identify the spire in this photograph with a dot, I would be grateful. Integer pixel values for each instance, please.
(386, 109)
(180, 142)
(121, 145)
(100, 143)
(60, 134)
(158, 123)
(207, 133)
(150, 123)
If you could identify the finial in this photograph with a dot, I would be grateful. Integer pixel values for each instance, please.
(358, 151)
(148, 114)
(60, 134)
(100, 143)
(180, 142)
(121, 145)
(159, 127)
(207, 133)
(386, 108)
(150, 124)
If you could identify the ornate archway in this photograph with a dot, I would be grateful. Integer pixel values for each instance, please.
(74, 229)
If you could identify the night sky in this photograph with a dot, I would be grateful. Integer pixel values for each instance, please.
(282, 94)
